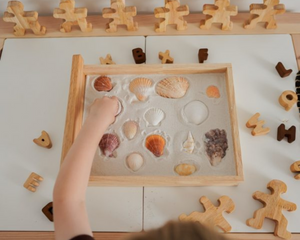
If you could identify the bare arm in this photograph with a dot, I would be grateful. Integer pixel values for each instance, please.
(70, 216)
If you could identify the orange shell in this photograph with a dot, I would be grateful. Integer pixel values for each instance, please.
(212, 92)
(103, 83)
(185, 169)
(155, 144)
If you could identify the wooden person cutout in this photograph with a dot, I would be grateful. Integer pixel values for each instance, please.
(273, 206)
(220, 12)
(23, 20)
(107, 60)
(257, 125)
(72, 16)
(44, 140)
(172, 13)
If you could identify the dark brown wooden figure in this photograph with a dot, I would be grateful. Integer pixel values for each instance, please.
(202, 55)
(48, 211)
(138, 55)
(290, 133)
(282, 71)
(297, 86)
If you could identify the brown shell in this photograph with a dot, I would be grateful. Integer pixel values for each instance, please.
(103, 83)
(108, 144)
(185, 169)
(172, 87)
(213, 92)
(155, 144)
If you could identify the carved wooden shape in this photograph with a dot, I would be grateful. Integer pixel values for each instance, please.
(287, 99)
(202, 55)
(138, 55)
(297, 86)
(165, 57)
(32, 182)
(257, 125)
(48, 211)
(44, 140)
(107, 60)
(290, 134)
(295, 168)
(282, 71)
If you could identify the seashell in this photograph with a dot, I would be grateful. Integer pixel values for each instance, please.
(155, 144)
(154, 116)
(130, 129)
(172, 87)
(189, 144)
(185, 169)
(213, 92)
(134, 161)
(108, 144)
(103, 83)
(120, 108)
(140, 87)
(195, 112)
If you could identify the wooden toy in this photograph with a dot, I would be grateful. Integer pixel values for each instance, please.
(287, 99)
(220, 12)
(282, 71)
(48, 211)
(213, 216)
(295, 168)
(172, 13)
(119, 14)
(72, 16)
(290, 134)
(202, 55)
(44, 140)
(107, 60)
(297, 86)
(165, 57)
(23, 20)
(273, 206)
(138, 55)
(257, 125)
(264, 13)
(32, 182)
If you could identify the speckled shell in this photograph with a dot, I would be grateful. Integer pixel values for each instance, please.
(185, 169)
(172, 87)
(154, 116)
(108, 144)
(130, 129)
(140, 87)
(134, 161)
(189, 144)
(213, 92)
(155, 144)
(103, 83)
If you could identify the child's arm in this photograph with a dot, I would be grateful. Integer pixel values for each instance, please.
(70, 216)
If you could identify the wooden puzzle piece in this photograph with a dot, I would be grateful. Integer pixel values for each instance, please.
(172, 13)
(44, 140)
(287, 99)
(220, 12)
(295, 168)
(282, 71)
(265, 13)
(257, 125)
(120, 15)
(202, 55)
(290, 133)
(273, 206)
(72, 16)
(213, 216)
(297, 86)
(23, 20)
(107, 60)
(138, 55)
(32, 182)
(48, 211)
(165, 57)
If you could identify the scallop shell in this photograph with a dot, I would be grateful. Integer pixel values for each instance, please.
(140, 87)
(213, 92)
(155, 144)
(130, 129)
(189, 144)
(103, 83)
(172, 87)
(108, 144)
(195, 112)
(120, 108)
(185, 169)
(134, 161)
(154, 116)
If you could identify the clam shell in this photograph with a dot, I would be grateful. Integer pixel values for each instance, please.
(140, 87)
(108, 144)
(195, 112)
(155, 144)
(185, 169)
(134, 161)
(189, 144)
(154, 116)
(213, 92)
(172, 87)
(103, 83)
(130, 129)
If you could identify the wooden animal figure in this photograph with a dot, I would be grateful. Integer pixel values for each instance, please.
(44, 140)
(213, 216)
(257, 125)
(172, 13)
(23, 20)
(272, 209)
(165, 57)
(72, 16)
(107, 60)
(220, 12)
(287, 99)
(264, 13)
(120, 15)
(32, 182)
(295, 168)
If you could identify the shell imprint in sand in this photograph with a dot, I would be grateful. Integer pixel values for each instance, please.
(189, 144)
(213, 92)
(154, 116)
(130, 129)
(185, 169)
(140, 87)
(108, 144)
(195, 112)
(134, 161)
(155, 144)
(103, 83)
(172, 87)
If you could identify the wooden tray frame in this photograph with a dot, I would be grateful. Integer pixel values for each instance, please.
(75, 109)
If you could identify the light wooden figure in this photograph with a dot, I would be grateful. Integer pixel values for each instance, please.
(213, 216)
(165, 57)
(107, 60)
(32, 182)
(273, 206)
(172, 13)
(119, 14)
(257, 125)
(44, 140)
(23, 20)
(265, 13)
(287, 99)
(295, 168)
(72, 16)
(220, 12)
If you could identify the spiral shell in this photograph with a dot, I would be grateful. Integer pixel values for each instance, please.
(140, 87)
(134, 161)
(185, 169)
(213, 92)
(108, 144)
(130, 129)
(172, 87)
(154, 116)
(189, 144)
(103, 83)
(155, 144)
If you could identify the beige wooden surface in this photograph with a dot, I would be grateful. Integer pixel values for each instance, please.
(296, 42)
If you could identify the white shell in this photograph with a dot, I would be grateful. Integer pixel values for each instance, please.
(134, 161)
(130, 129)
(195, 112)
(189, 144)
(154, 116)
(141, 87)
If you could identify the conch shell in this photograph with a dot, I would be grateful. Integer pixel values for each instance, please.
(189, 144)
(140, 87)
(130, 129)
(185, 169)
(108, 144)
(172, 87)
(103, 83)
(155, 144)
